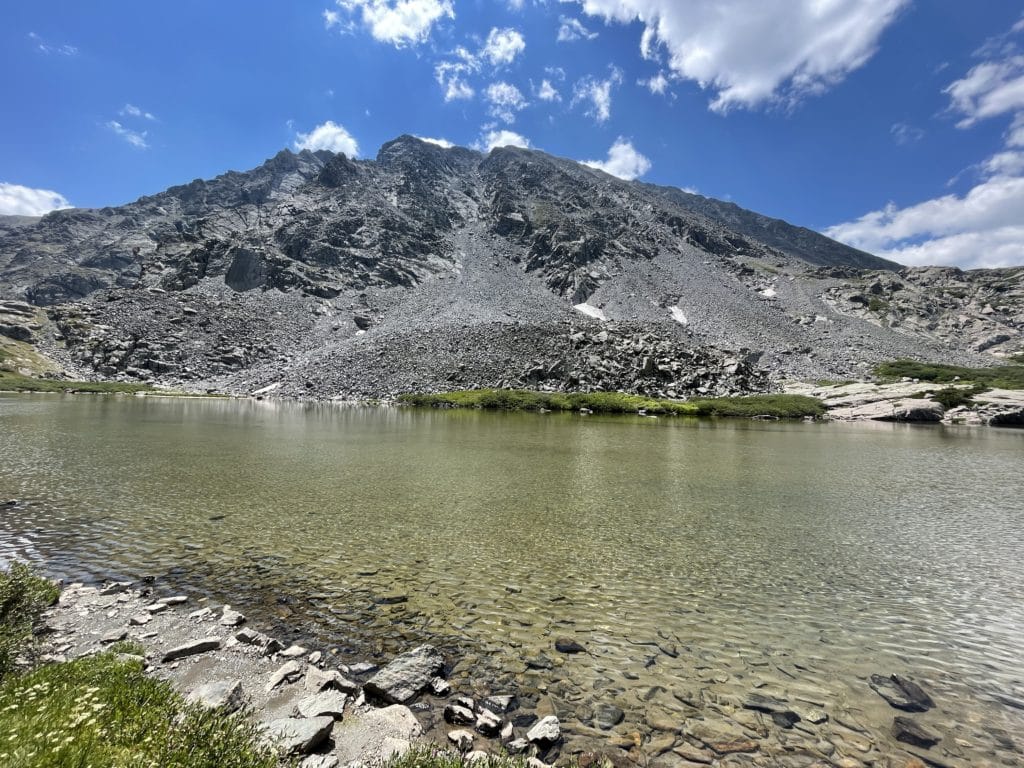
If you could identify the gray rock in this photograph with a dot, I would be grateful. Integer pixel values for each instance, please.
(607, 716)
(546, 732)
(440, 687)
(568, 645)
(320, 679)
(220, 694)
(191, 649)
(517, 746)
(230, 617)
(289, 672)
(406, 676)
(909, 732)
(458, 715)
(320, 761)
(488, 723)
(294, 652)
(499, 704)
(114, 637)
(329, 703)
(115, 587)
(156, 607)
(299, 736)
(462, 739)
(901, 693)
(174, 600)
(140, 620)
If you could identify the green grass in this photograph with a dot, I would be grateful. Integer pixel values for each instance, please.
(103, 712)
(999, 376)
(781, 406)
(15, 382)
(876, 304)
(131, 647)
(24, 595)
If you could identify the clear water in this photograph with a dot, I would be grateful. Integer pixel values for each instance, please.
(685, 555)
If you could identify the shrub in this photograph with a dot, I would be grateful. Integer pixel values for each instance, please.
(24, 595)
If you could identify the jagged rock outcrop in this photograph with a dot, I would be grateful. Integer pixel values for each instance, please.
(437, 268)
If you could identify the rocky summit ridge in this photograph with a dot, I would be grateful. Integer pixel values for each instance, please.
(433, 268)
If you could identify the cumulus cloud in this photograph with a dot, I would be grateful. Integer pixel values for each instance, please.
(751, 52)
(16, 200)
(136, 138)
(548, 92)
(503, 45)
(983, 228)
(398, 22)
(439, 142)
(330, 136)
(503, 138)
(623, 161)
(506, 100)
(598, 93)
(570, 30)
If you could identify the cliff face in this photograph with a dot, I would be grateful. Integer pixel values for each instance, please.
(434, 268)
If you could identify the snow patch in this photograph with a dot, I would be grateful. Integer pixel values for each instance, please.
(769, 293)
(591, 311)
(678, 316)
(265, 390)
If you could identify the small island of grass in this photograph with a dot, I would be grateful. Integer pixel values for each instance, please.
(748, 406)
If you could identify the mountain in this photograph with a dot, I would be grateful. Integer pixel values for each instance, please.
(432, 267)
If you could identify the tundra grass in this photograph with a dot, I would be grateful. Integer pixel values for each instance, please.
(15, 382)
(999, 376)
(779, 406)
(102, 711)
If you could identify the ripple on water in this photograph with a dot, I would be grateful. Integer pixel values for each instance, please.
(684, 557)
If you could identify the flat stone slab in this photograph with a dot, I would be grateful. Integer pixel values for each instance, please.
(325, 704)
(901, 693)
(406, 676)
(220, 694)
(191, 649)
(299, 736)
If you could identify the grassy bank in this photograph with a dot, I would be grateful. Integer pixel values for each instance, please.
(15, 382)
(102, 711)
(779, 406)
(999, 376)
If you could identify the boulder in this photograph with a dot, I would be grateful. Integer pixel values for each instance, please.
(459, 715)
(299, 736)
(329, 679)
(290, 672)
(488, 723)
(546, 732)
(406, 676)
(231, 618)
(326, 703)
(220, 694)
(462, 739)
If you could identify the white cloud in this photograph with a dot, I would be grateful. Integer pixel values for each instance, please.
(503, 45)
(16, 200)
(130, 110)
(330, 136)
(331, 19)
(623, 161)
(505, 101)
(598, 93)
(516, 5)
(750, 52)
(439, 142)
(989, 89)
(136, 138)
(398, 22)
(503, 138)
(656, 84)
(1015, 136)
(983, 228)
(548, 92)
(45, 47)
(904, 133)
(570, 30)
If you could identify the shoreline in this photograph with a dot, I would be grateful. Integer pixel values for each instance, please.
(369, 713)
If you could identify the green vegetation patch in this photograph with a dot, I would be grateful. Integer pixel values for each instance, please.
(24, 596)
(999, 376)
(779, 406)
(14, 382)
(101, 711)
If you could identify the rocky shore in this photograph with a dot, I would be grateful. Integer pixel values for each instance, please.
(326, 713)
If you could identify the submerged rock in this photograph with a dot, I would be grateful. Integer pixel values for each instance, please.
(909, 732)
(901, 693)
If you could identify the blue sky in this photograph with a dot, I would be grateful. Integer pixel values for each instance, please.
(896, 126)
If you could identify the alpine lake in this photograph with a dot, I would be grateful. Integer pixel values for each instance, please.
(698, 563)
